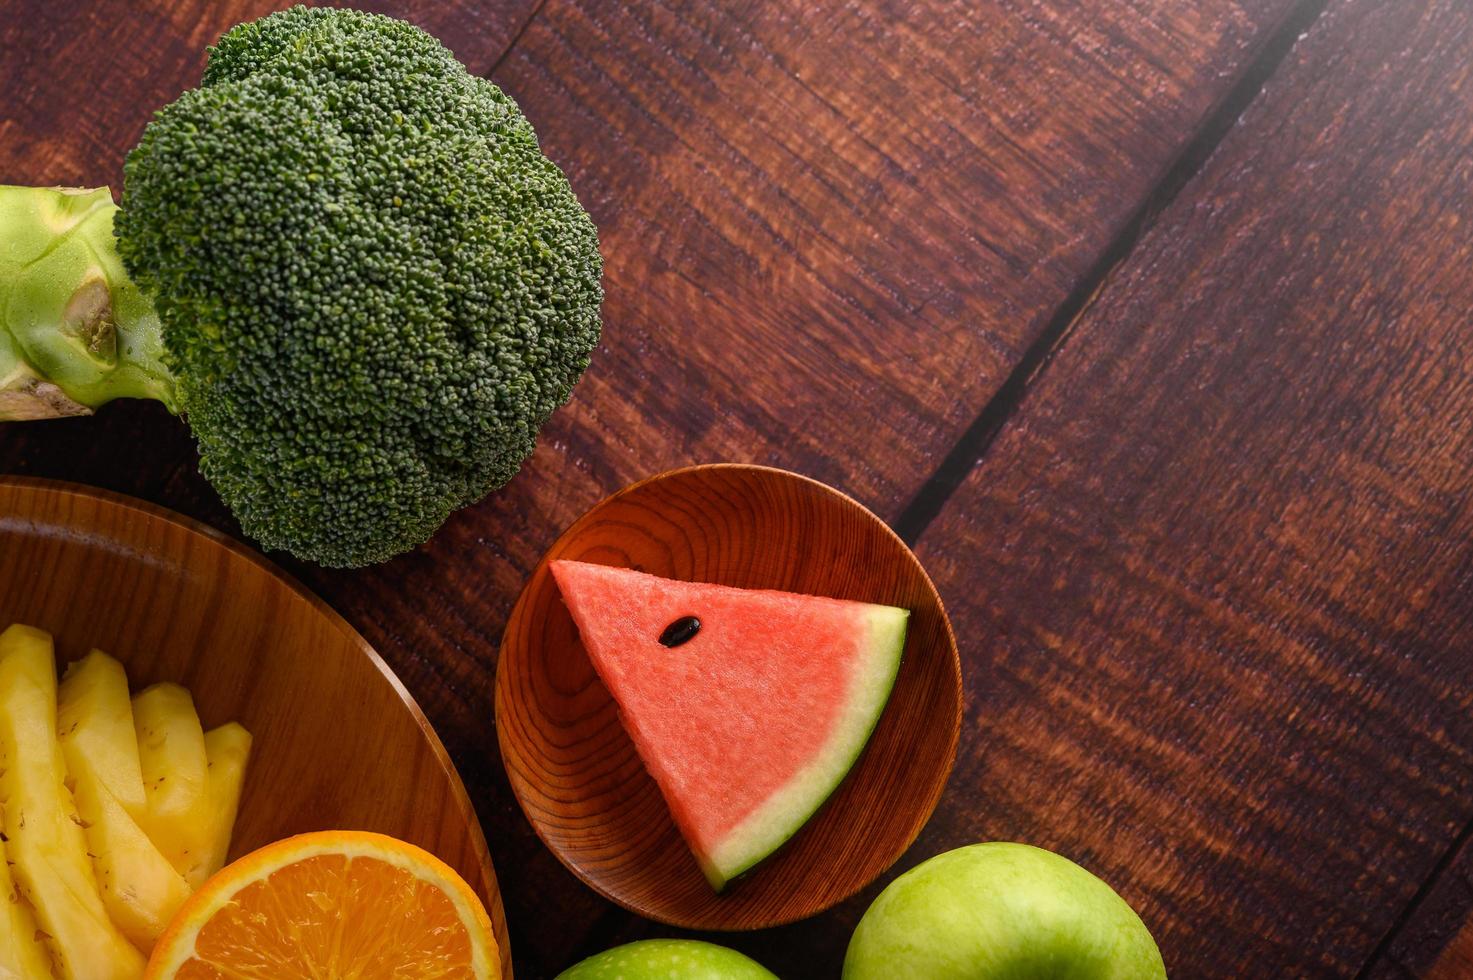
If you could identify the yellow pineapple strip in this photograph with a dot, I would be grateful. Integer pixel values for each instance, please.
(140, 888)
(22, 957)
(95, 716)
(171, 754)
(227, 748)
(45, 841)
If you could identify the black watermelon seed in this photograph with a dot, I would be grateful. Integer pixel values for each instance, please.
(680, 631)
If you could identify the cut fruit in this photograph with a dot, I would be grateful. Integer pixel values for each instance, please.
(331, 904)
(140, 889)
(748, 707)
(43, 839)
(171, 756)
(95, 717)
(22, 957)
(227, 749)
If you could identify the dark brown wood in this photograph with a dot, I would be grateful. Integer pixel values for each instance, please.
(338, 744)
(1435, 940)
(838, 211)
(1456, 959)
(575, 771)
(81, 79)
(1215, 580)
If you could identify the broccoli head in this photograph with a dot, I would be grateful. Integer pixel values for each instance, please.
(373, 287)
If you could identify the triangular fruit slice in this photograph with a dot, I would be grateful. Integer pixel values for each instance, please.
(747, 721)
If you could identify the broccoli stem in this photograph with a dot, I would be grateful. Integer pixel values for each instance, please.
(75, 331)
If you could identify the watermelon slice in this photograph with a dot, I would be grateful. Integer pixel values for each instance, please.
(750, 720)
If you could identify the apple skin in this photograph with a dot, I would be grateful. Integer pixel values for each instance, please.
(659, 959)
(1001, 911)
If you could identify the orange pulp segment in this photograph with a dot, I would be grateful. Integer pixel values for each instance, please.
(334, 905)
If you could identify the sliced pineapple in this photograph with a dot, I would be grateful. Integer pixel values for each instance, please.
(141, 890)
(171, 754)
(227, 749)
(95, 716)
(22, 956)
(44, 838)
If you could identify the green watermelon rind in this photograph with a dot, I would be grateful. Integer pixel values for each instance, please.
(789, 809)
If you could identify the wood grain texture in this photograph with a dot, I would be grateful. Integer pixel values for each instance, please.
(1217, 574)
(338, 744)
(843, 210)
(81, 79)
(577, 774)
(1435, 940)
(1456, 960)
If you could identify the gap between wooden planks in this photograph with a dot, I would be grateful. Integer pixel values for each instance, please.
(1222, 554)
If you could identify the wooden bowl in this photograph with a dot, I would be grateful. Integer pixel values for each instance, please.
(577, 774)
(339, 743)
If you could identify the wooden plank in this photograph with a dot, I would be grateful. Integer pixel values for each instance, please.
(1456, 961)
(81, 79)
(1216, 576)
(1435, 940)
(820, 213)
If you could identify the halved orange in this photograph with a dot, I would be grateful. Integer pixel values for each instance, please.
(330, 906)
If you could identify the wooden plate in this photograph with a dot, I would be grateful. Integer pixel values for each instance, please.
(339, 743)
(577, 774)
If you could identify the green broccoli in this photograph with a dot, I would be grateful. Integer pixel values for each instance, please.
(369, 287)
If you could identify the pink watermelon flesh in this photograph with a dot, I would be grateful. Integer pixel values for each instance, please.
(750, 725)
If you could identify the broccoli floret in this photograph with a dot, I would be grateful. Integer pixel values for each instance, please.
(373, 286)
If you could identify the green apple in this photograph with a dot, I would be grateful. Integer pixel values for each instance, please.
(1001, 912)
(685, 959)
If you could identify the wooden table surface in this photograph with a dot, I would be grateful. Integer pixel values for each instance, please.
(1149, 325)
